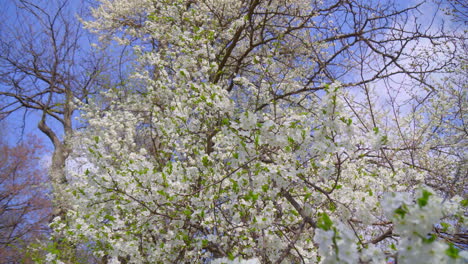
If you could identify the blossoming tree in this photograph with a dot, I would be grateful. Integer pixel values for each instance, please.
(263, 132)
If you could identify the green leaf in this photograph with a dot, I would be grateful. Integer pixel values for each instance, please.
(429, 239)
(205, 161)
(424, 199)
(235, 185)
(452, 251)
(401, 211)
(164, 178)
(204, 243)
(385, 140)
(225, 121)
(187, 212)
(109, 217)
(324, 222)
(251, 196)
(445, 226)
(231, 256)
(464, 203)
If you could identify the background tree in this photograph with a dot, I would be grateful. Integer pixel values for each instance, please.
(25, 202)
(457, 9)
(46, 63)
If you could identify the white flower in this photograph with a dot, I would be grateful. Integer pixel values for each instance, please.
(391, 201)
(325, 241)
(248, 120)
(235, 261)
(50, 257)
